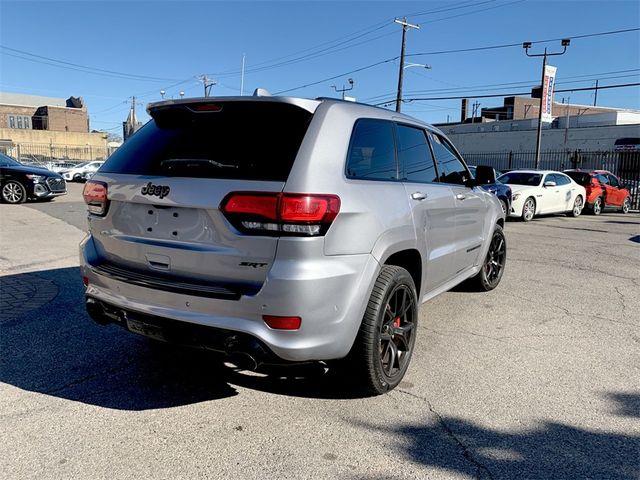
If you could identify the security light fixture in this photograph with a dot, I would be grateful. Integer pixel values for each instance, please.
(566, 42)
(526, 45)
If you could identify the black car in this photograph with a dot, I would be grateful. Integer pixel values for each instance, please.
(500, 190)
(20, 182)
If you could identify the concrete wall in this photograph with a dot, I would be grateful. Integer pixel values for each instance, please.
(583, 138)
(80, 139)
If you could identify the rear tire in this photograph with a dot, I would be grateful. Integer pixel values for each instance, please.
(626, 205)
(382, 350)
(492, 269)
(577, 207)
(596, 209)
(528, 209)
(77, 177)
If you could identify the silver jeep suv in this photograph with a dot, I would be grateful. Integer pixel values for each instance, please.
(282, 230)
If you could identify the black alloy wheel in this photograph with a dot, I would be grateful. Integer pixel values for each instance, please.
(382, 351)
(490, 275)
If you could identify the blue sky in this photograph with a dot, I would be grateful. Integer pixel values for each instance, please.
(161, 44)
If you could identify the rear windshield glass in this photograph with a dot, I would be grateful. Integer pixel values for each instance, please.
(243, 140)
(521, 178)
(581, 178)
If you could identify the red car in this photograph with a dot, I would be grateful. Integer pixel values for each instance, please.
(604, 190)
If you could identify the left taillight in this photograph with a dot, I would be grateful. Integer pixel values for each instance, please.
(95, 196)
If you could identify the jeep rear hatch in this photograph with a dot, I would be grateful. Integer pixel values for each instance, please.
(167, 183)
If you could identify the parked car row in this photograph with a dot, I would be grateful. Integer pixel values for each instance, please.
(539, 192)
(81, 172)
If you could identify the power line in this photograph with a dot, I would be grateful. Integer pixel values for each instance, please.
(442, 52)
(267, 65)
(510, 94)
(64, 64)
(338, 76)
(519, 44)
(523, 83)
(474, 11)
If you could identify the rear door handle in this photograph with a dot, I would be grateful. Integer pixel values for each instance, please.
(418, 196)
(461, 196)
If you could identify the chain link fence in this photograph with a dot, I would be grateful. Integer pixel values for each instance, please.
(43, 154)
(624, 164)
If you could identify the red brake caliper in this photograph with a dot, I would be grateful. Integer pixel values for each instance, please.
(396, 322)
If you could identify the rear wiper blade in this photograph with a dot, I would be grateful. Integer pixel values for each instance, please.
(194, 162)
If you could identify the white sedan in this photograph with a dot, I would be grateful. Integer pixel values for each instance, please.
(77, 173)
(538, 192)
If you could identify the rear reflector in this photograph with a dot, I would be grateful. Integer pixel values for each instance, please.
(95, 196)
(281, 213)
(282, 323)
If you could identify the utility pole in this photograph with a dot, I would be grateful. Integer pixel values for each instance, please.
(527, 46)
(405, 27)
(566, 126)
(476, 107)
(242, 77)
(207, 84)
(595, 98)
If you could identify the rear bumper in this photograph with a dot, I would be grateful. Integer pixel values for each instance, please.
(329, 293)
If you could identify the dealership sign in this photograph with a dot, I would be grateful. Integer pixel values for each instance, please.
(547, 92)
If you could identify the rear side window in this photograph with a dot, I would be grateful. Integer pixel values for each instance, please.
(241, 140)
(372, 151)
(415, 158)
(450, 167)
(602, 179)
(561, 179)
(613, 181)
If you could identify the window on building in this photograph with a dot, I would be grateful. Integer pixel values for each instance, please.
(19, 121)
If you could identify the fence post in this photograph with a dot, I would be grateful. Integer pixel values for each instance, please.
(510, 158)
(18, 150)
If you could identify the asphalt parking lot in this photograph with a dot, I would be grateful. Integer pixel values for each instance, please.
(537, 379)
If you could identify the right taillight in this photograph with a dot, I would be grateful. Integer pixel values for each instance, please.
(95, 196)
(293, 214)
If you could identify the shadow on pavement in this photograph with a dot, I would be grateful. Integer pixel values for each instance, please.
(56, 349)
(627, 405)
(551, 451)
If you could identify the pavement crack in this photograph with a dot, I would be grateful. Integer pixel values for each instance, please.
(622, 302)
(86, 378)
(466, 451)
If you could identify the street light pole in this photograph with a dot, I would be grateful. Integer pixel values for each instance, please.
(527, 46)
(405, 27)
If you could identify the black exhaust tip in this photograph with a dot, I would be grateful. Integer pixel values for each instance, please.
(243, 360)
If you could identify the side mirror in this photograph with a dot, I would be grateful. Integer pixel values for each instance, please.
(550, 183)
(485, 175)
